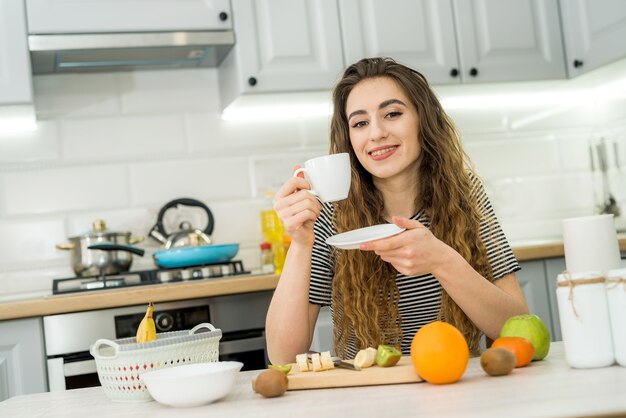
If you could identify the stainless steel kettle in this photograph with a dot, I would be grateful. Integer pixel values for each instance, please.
(186, 235)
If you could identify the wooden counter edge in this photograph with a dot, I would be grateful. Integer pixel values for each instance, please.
(77, 302)
(548, 250)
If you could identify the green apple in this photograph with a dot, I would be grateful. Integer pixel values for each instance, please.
(533, 329)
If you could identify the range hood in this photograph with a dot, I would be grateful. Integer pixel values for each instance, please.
(63, 53)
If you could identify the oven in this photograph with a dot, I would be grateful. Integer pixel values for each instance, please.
(68, 336)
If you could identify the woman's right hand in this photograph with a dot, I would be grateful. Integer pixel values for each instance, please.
(297, 209)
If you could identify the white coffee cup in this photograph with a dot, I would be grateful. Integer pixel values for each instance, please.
(329, 176)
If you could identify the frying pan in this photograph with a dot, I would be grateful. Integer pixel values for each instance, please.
(195, 256)
(180, 256)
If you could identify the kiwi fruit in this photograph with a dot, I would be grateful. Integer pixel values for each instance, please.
(497, 361)
(387, 356)
(270, 383)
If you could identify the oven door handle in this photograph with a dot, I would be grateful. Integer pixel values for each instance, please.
(242, 346)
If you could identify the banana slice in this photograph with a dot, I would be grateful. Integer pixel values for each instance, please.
(326, 360)
(365, 358)
(302, 362)
(316, 363)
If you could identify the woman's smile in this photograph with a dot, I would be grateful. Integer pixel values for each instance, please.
(381, 153)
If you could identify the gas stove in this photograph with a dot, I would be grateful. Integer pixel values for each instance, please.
(147, 277)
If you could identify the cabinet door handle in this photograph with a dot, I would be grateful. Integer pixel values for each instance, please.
(578, 63)
(223, 16)
(473, 72)
(252, 81)
(454, 72)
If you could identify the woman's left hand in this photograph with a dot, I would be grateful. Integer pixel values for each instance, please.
(413, 252)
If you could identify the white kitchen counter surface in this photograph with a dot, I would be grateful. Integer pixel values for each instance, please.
(549, 388)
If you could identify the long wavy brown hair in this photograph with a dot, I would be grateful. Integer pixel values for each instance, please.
(365, 294)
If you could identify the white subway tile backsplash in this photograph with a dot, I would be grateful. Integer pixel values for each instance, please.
(154, 184)
(69, 95)
(237, 221)
(25, 241)
(210, 134)
(64, 189)
(123, 137)
(579, 116)
(137, 221)
(574, 152)
(270, 172)
(160, 91)
(529, 229)
(515, 157)
(34, 279)
(472, 121)
(39, 145)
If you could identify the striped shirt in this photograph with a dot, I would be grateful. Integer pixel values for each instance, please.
(420, 296)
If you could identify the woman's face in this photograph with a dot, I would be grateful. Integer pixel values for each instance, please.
(383, 126)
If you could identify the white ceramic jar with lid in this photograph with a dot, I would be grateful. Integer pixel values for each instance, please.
(616, 292)
(584, 317)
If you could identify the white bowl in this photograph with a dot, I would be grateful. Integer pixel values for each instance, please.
(192, 384)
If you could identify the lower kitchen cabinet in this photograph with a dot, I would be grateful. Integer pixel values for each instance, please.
(22, 358)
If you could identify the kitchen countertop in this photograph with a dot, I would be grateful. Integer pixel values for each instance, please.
(32, 304)
(137, 295)
(548, 388)
(533, 249)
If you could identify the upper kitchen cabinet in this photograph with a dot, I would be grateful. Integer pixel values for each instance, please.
(110, 16)
(15, 78)
(417, 33)
(594, 32)
(454, 41)
(282, 46)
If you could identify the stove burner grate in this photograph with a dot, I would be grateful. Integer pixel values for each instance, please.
(147, 277)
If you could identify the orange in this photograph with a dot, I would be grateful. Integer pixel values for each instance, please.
(519, 346)
(439, 353)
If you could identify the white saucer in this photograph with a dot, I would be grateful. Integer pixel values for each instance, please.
(352, 239)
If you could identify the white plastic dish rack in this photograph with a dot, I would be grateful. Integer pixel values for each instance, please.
(120, 363)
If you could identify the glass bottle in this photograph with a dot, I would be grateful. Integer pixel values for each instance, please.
(267, 258)
(273, 232)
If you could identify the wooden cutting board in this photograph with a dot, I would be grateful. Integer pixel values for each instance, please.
(403, 372)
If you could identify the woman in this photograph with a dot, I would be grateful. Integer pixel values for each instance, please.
(452, 262)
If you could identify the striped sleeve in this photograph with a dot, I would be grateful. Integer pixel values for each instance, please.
(499, 251)
(323, 259)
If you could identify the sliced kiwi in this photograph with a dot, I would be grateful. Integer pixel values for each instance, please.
(285, 368)
(387, 355)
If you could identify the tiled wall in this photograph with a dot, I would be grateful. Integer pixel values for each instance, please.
(119, 146)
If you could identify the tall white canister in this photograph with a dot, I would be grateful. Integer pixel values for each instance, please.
(591, 244)
(616, 292)
(584, 317)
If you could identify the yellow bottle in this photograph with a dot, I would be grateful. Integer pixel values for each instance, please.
(273, 232)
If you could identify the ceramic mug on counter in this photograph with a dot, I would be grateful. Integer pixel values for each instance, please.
(329, 176)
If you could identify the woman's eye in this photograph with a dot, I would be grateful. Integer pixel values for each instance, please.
(359, 124)
(393, 114)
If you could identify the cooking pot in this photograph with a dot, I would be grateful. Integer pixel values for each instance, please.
(97, 262)
(189, 246)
